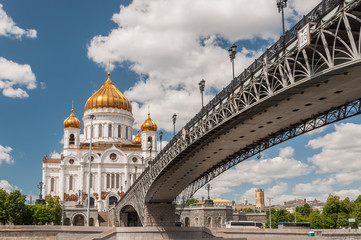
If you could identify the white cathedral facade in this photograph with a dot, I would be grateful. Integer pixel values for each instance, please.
(116, 159)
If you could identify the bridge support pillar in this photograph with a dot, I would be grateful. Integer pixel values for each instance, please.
(159, 214)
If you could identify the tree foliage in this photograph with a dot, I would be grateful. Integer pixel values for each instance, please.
(14, 210)
(335, 214)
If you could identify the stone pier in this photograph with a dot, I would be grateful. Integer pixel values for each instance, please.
(159, 214)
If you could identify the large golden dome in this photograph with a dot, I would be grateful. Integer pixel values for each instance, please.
(108, 96)
(72, 121)
(148, 125)
(137, 139)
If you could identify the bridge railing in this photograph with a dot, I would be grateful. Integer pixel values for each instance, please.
(315, 15)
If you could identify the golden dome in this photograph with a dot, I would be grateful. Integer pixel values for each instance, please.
(149, 124)
(137, 139)
(72, 121)
(108, 96)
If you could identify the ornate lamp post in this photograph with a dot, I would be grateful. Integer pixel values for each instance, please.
(202, 84)
(90, 160)
(160, 140)
(282, 4)
(208, 188)
(232, 55)
(174, 117)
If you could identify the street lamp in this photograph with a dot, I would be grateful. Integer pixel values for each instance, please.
(202, 84)
(208, 188)
(90, 160)
(160, 140)
(142, 164)
(174, 117)
(270, 213)
(282, 4)
(232, 55)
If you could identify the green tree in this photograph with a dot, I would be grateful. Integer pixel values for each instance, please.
(15, 207)
(305, 210)
(316, 219)
(191, 201)
(3, 212)
(54, 209)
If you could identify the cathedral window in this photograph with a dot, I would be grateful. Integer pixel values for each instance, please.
(109, 130)
(108, 180)
(70, 182)
(119, 131)
(52, 185)
(126, 133)
(71, 139)
(91, 180)
(117, 181)
(100, 130)
(113, 179)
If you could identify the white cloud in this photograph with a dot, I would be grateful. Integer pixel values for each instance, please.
(340, 150)
(55, 154)
(350, 193)
(316, 186)
(175, 52)
(5, 155)
(7, 186)
(259, 172)
(14, 75)
(9, 29)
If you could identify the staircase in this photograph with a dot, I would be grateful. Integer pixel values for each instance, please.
(103, 219)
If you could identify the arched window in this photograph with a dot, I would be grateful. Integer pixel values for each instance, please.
(112, 200)
(219, 222)
(78, 220)
(71, 139)
(117, 181)
(52, 185)
(92, 202)
(186, 222)
(108, 180)
(100, 130)
(109, 130)
(126, 132)
(67, 222)
(91, 222)
(119, 131)
(209, 222)
(113, 179)
(70, 182)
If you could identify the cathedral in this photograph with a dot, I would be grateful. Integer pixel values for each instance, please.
(116, 159)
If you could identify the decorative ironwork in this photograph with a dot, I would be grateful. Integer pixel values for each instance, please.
(335, 34)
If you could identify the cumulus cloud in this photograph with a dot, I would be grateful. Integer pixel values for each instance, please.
(8, 27)
(173, 53)
(323, 186)
(340, 150)
(54, 154)
(13, 76)
(7, 186)
(5, 156)
(259, 172)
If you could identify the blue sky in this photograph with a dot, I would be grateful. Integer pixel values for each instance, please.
(53, 52)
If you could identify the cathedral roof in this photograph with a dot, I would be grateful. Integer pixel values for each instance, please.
(72, 121)
(108, 96)
(137, 139)
(148, 125)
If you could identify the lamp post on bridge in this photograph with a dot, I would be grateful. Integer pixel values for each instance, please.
(208, 188)
(174, 117)
(160, 140)
(232, 55)
(90, 160)
(202, 84)
(280, 5)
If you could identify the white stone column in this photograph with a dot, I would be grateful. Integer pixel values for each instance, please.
(126, 179)
(100, 186)
(61, 183)
(81, 178)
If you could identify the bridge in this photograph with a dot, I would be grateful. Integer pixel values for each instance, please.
(286, 92)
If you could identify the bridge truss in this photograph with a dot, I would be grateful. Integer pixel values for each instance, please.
(335, 46)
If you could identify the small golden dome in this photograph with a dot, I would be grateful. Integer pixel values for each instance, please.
(108, 96)
(137, 139)
(149, 124)
(72, 121)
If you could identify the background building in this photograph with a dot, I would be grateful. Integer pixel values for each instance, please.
(259, 198)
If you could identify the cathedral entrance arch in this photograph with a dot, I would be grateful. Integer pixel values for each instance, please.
(129, 217)
(79, 220)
